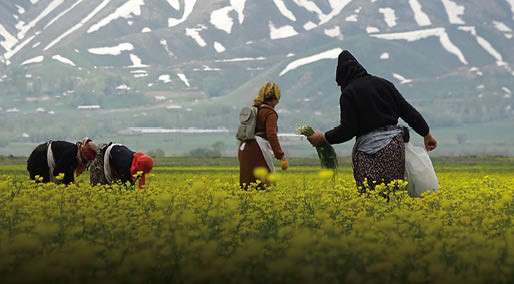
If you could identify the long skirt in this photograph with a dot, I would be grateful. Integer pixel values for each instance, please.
(37, 164)
(97, 174)
(250, 158)
(384, 166)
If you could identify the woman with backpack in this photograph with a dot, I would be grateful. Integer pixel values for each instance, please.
(49, 160)
(258, 153)
(116, 163)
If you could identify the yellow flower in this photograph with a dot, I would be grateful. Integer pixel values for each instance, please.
(326, 173)
(260, 172)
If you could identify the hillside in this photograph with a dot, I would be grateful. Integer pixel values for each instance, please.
(70, 68)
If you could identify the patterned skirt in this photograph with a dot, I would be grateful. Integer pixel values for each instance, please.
(97, 175)
(383, 166)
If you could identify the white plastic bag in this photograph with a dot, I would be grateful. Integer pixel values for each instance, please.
(419, 171)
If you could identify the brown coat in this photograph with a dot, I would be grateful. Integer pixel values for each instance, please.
(251, 156)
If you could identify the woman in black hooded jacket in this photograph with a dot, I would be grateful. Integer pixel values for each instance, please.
(370, 109)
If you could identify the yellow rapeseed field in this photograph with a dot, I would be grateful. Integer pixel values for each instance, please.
(196, 225)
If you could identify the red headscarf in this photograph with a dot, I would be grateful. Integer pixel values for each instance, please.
(141, 163)
(88, 149)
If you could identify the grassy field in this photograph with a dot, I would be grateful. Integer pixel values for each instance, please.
(193, 224)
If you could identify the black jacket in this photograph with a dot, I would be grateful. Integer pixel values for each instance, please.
(120, 161)
(368, 102)
(65, 157)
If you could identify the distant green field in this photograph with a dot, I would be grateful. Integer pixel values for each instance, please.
(483, 139)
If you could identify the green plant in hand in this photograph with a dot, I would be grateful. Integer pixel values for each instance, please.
(326, 153)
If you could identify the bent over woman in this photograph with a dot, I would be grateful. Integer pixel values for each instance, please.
(370, 109)
(116, 163)
(259, 153)
(50, 159)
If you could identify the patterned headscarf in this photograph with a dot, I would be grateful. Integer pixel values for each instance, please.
(270, 90)
(86, 153)
(88, 149)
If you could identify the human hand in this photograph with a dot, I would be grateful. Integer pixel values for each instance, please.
(317, 139)
(430, 142)
(284, 164)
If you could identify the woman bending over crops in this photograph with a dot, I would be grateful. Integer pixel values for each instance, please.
(53, 158)
(258, 153)
(370, 108)
(116, 163)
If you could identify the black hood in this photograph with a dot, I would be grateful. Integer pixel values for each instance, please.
(348, 69)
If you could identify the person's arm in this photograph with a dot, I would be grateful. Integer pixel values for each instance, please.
(271, 134)
(409, 114)
(348, 127)
(415, 120)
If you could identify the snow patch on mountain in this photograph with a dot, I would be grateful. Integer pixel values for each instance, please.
(12, 52)
(284, 10)
(421, 18)
(281, 32)
(62, 14)
(221, 19)
(188, 9)
(309, 26)
(454, 11)
(239, 7)
(184, 79)
(136, 61)
(165, 78)
(219, 47)
(79, 25)
(63, 59)
(166, 47)
(337, 6)
(402, 79)
(334, 32)
(112, 50)
(486, 45)
(329, 54)
(503, 28)
(123, 87)
(131, 7)
(371, 30)
(194, 33)
(20, 9)
(352, 18)
(9, 40)
(422, 34)
(37, 59)
(49, 8)
(389, 16)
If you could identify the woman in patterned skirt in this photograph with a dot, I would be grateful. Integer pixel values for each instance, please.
(370, 109)
(116, 163)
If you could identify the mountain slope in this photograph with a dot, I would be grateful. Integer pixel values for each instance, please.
(195, 63)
